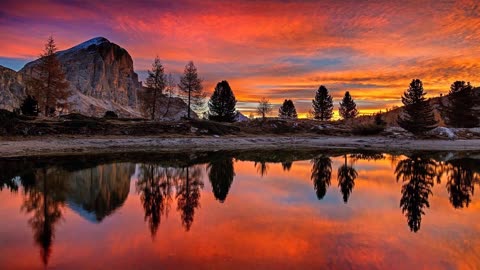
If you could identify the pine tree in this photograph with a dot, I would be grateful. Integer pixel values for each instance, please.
(29, 106)
(348, 107)
(322, 104)
(47, 83)
(155, 85)
(191, 86)
(222, 103)
(460, 111)
(287, 110)
(418, 116)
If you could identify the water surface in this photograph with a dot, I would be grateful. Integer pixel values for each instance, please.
(288, 210)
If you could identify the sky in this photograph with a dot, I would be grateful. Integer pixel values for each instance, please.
(277, 49)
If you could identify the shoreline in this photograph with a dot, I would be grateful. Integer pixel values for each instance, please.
(43, 146)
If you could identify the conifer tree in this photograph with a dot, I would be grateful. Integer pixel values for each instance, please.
(29, 106)
(348, 107)
(287, 110)
(47, 83)
(191, 87)
(155, 85)
(418, 116)
(222, 103)
(460, 111)
(322, 104)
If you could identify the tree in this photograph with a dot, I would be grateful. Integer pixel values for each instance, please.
(47, 83)
(348, 107)
(418, 116)
(153, 93)
(29, 106)
(321, 175)
(222, 103)
(264, 107)
(460, 111)
(322, 104)
(191, 87)
(287, 110)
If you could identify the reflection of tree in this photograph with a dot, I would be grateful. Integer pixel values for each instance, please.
(287, 165)
(321, 175)
(46, 201)
(155, 185)
(188, 194)
(221, 174)
(262, 168)
(367, 156)
(346, 179)
(417, 175)
(460, 183)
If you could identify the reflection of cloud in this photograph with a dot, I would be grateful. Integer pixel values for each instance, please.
(374, 46)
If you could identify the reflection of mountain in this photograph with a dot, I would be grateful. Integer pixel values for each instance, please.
(418, 176)
(97, 192)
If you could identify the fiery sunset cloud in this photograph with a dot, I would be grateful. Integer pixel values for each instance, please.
(273, 48)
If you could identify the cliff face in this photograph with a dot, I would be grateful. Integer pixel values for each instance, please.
(101, 78)
(11, 89)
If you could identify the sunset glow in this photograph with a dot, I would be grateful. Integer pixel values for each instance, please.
(272, 48)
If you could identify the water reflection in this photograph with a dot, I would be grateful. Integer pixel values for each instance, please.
(321, 175)
(96, 191)
(346, 179)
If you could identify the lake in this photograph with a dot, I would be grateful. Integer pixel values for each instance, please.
(239, 210)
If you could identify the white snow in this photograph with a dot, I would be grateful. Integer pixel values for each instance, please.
(444, 132)
(85, 45)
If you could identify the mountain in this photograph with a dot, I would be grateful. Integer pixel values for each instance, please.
(101, 78)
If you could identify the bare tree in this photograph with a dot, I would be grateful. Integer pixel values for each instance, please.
(156, 82)
(264, 107)
(191, 86)
(47, 83)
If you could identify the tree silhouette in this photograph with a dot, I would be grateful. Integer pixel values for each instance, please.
(262, 168)
(348, 107)
(417, 175)
(222, 103)
(322, 104)
(191, 86)
(346, 179)
(460, 111)
(264, 107)
(29, 106)
(287, 110)
(321, 175)
(155, 186)
(417, 116)
(221, 174)
(153, 93)
(46, 201)
(47, 80)
(188, 194)
(287, 165)
(460, 181)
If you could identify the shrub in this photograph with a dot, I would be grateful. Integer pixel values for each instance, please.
(367, 129)
(110, 114)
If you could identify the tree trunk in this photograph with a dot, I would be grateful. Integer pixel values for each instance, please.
(189, 94)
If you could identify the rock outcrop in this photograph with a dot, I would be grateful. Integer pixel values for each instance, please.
(11, 89)
(101, 78)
